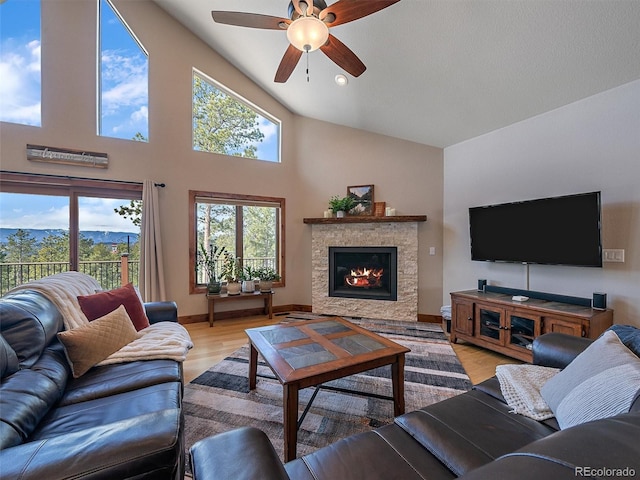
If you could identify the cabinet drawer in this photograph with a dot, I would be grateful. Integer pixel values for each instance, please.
(558, 325)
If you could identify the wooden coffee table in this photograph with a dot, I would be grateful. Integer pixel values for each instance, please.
(311, 352)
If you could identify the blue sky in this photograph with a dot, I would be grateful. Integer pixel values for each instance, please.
(51, 212)
(124, 80)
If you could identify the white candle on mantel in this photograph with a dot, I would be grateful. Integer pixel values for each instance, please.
(327, 214)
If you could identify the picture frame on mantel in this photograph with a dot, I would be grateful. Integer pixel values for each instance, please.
(362, 195)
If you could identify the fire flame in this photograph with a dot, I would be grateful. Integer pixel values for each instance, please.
(364, 277)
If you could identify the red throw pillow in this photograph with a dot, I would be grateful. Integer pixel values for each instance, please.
(99, 304)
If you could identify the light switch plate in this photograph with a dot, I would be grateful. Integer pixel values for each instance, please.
(614, 255)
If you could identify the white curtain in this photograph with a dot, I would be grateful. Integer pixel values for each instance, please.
(151, 278)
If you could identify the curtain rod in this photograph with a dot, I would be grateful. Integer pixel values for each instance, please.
(69, 177)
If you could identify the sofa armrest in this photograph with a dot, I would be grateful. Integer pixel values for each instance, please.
(125, 449)
(226, 457)
(557, 349)
(161, 311)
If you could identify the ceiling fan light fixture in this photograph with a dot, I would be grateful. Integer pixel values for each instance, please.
(307, 33)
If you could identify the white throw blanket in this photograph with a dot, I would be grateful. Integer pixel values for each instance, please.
(63, 289)
(520, 386)
(162, 340)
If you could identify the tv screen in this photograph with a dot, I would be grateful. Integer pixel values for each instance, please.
(554, 231)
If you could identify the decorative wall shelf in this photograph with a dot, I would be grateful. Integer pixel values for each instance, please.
(365, 219)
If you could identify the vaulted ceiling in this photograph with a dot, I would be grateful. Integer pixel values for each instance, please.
(439, 71)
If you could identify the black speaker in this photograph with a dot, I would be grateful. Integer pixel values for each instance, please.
(482, 284)
(599, 301)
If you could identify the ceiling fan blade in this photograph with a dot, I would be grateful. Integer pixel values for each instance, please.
(287, 64)
(344, 11)
(343, 57)
(252, 20)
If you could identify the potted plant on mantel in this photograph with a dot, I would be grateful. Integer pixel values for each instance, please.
(208, 261)
(232, 273)
(267, 276)
(341, 205)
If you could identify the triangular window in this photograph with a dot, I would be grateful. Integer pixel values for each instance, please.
(225, 123)
(123, 91)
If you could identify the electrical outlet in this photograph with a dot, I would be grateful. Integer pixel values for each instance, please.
(613, 255)
(432, 250)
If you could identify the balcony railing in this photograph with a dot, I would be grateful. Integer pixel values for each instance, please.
(109, 273)
(253, 262)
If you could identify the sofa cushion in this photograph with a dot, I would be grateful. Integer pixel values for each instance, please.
(385, 453)
(88, 345)
(601, 382)
(586, 450)
(99, 304)
(8, 359)
(469, 430)
(105, 380)
(148, 446)
(629, 335)
(112, 409)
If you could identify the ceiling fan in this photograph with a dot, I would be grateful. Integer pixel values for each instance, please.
(308, 30)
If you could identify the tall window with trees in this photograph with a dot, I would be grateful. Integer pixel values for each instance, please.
(123, 103)
(225, 123)
(20, 84)
(50, 225)
(249, 227)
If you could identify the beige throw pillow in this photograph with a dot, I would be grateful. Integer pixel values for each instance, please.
(90, 344)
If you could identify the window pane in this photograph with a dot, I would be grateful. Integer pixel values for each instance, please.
(105, 236)
(225, 124)
(216, 227)
(20, 87)
(34, 237)
(124, 79)
(260, 240)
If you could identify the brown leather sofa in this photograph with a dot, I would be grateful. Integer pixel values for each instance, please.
(473, 436)
(119, 421)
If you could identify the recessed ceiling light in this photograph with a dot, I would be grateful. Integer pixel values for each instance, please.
(341, 80)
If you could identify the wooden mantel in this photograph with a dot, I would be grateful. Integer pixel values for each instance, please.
(365, 219)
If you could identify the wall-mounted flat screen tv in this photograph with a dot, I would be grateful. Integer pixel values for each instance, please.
(562, 230)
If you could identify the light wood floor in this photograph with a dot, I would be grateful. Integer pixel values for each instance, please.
(212, 344)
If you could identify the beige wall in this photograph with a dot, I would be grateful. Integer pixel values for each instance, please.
(318, 159)
(591, 145)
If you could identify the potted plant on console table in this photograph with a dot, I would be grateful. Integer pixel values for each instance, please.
(208, 260)
(341, 205)
(267, 276)
(232, 273)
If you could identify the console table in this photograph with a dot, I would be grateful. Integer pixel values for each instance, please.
(213, 299)
(495, 321)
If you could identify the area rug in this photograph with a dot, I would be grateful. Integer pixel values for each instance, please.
(219, 400)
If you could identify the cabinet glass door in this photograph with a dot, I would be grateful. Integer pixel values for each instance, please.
(522, 331)
(489, 324)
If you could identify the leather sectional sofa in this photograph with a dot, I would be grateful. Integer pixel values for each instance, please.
(472, 436)
(116, 421)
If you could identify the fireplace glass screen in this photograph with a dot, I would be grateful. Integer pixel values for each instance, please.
(363, 272)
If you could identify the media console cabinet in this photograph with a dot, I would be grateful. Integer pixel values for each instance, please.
(495, 321)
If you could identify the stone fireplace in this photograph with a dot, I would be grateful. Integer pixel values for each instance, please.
(363, 272)
(400, 236)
